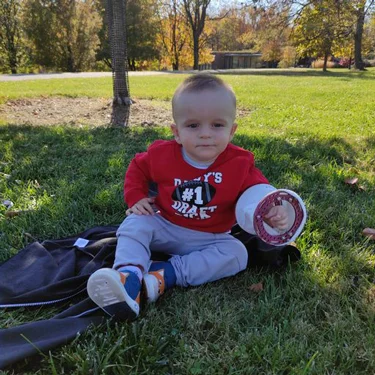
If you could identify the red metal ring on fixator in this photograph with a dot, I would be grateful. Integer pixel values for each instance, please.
(277, 198)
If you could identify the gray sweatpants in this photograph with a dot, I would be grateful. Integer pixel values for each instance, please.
(197, 257)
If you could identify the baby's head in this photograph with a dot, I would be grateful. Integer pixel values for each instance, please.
(204, 110)
(199, 83)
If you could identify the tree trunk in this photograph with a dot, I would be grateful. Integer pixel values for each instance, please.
(325, 62)
(196, 51)
(131, 63)
(358, 62)
(13, 60)
(70, 60)
(120, 112)
(196, 11)
(121, 99)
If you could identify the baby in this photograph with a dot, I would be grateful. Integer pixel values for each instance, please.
(199, 176)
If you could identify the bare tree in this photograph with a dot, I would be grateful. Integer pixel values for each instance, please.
(117, 35)
(196, 12)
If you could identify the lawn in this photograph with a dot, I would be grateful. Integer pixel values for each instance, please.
(309, 131)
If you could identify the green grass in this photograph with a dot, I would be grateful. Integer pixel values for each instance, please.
(309, 131)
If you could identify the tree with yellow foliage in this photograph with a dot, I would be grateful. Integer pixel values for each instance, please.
(175, 38)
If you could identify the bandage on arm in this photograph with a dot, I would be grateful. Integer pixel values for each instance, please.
(256, 202)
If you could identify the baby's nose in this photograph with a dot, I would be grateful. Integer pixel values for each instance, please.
(205, 132)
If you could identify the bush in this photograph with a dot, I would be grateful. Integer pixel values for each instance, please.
(369, 63)
(345, 62)
(289, 57)
(320, 63)
(101, 66)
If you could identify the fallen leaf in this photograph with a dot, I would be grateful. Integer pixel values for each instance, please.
(12, 213)
(15, 213)
(369, 232)
(256, 287)
(351, 181)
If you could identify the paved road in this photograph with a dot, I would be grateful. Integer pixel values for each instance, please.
(24, 77)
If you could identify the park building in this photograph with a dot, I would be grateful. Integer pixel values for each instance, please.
(234, 60)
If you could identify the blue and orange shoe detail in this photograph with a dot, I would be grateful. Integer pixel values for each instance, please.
(117, 293)
(159, 278)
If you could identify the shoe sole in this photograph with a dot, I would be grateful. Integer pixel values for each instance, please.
(105, 288)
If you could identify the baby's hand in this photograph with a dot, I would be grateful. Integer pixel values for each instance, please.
(277, 217)
(142, 207)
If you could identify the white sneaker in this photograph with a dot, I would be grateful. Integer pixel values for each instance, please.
(117, 293)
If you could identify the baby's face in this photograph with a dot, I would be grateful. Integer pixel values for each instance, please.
(204, 123)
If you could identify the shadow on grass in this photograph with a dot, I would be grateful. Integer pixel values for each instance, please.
(72, 178)
(370, 142)
(67, 179)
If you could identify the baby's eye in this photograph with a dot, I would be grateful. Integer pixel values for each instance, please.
(193, 126)
(218, 125)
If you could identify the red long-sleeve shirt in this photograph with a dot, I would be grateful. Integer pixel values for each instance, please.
(199, 199)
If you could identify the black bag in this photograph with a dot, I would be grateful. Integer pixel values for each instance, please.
(262, 254)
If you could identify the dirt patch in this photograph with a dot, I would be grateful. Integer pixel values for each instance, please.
(85, 111)
(81, 111)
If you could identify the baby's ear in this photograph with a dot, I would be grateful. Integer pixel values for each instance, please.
(174, 129)
(233, 130)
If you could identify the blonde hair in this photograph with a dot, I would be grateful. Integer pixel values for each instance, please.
(200, 82)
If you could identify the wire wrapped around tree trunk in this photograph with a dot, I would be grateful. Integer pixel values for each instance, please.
(117, 38)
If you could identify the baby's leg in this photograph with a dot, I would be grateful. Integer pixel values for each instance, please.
(118, 291)
(199, 257)
(133, 244)
(225, 257)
